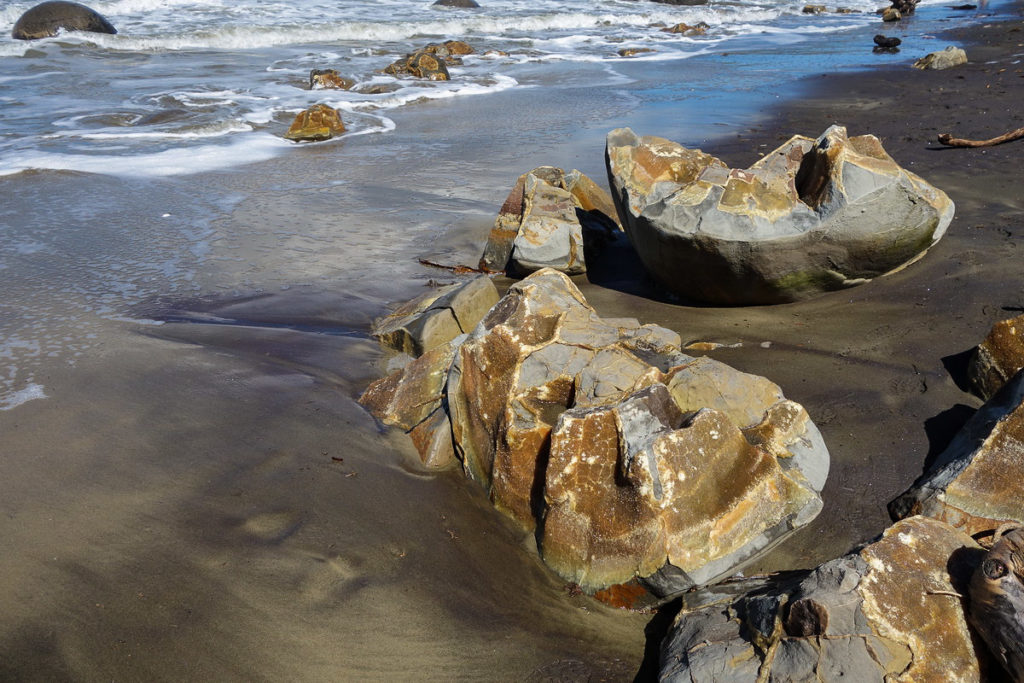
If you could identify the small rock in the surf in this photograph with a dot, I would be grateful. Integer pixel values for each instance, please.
(319, 122)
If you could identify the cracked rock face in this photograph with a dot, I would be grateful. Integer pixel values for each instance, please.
(543, 221)
(810, 217)
(628, 459)
(436, 317)
(893, 612)
(999, 357)
(977, 483)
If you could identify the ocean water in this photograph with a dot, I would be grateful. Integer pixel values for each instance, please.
(140, 121)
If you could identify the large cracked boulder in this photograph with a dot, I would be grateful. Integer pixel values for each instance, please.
(47, 19)
(544, 220)
(894, 611)
(998, 358)
(420, 64)
(977, 483)
(810, 217)
(628, 459)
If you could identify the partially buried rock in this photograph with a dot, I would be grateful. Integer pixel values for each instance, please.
(809, 217)
(628, 459)
(892, 611)
(436, 317)
(699, 29)
(634, 51)
(49, 18)
(324, 79)
(998, 358)
(544, 221)
(977, 483)
(997, 601)
(319, 122)
(943, 59)
(420, 64)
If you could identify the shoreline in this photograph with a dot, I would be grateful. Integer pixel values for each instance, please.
(203, 498)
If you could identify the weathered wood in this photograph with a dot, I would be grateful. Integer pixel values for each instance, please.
(950, 141)
(997, 601)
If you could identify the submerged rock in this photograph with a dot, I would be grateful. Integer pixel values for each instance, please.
(319, 122)
(977, 483)
(998, 358)
(420, 64)
(466, 4)
(49, 18)
(810, 217)
(627, 458)
(543, 221)
(943, 59)
(892, 611)
(321, 79)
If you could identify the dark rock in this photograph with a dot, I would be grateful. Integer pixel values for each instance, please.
(466, 4)
(905, 7)
(977, 483)
(809, 217)
(814, 9)
(963, 7)
(997, 601)
(49, 18)
(687, 3)
(886, 42)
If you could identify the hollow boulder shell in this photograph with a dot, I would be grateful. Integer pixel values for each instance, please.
(809, 217)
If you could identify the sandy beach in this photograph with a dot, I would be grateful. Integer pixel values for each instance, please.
(202, 499)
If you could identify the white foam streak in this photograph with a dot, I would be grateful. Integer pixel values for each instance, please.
(246, 149)
(12, 399)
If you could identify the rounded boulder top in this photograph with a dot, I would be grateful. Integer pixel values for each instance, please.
(48, 18)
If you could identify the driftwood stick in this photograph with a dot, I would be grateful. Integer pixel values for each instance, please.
(950, 141)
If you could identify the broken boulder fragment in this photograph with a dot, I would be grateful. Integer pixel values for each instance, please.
(943, 59)
(977, 483)
(436, 317)
(810, 217)
(544, 221)
(998, 358)
(893, 611)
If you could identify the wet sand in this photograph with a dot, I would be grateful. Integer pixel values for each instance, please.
(203, 500)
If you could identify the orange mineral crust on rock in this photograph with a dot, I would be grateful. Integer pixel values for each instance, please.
(319, 122)
(999, 357)
(910, 597)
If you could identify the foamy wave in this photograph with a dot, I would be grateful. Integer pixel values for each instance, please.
(211, 131)
(247, 149)
(407, 95)
(13, 399)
